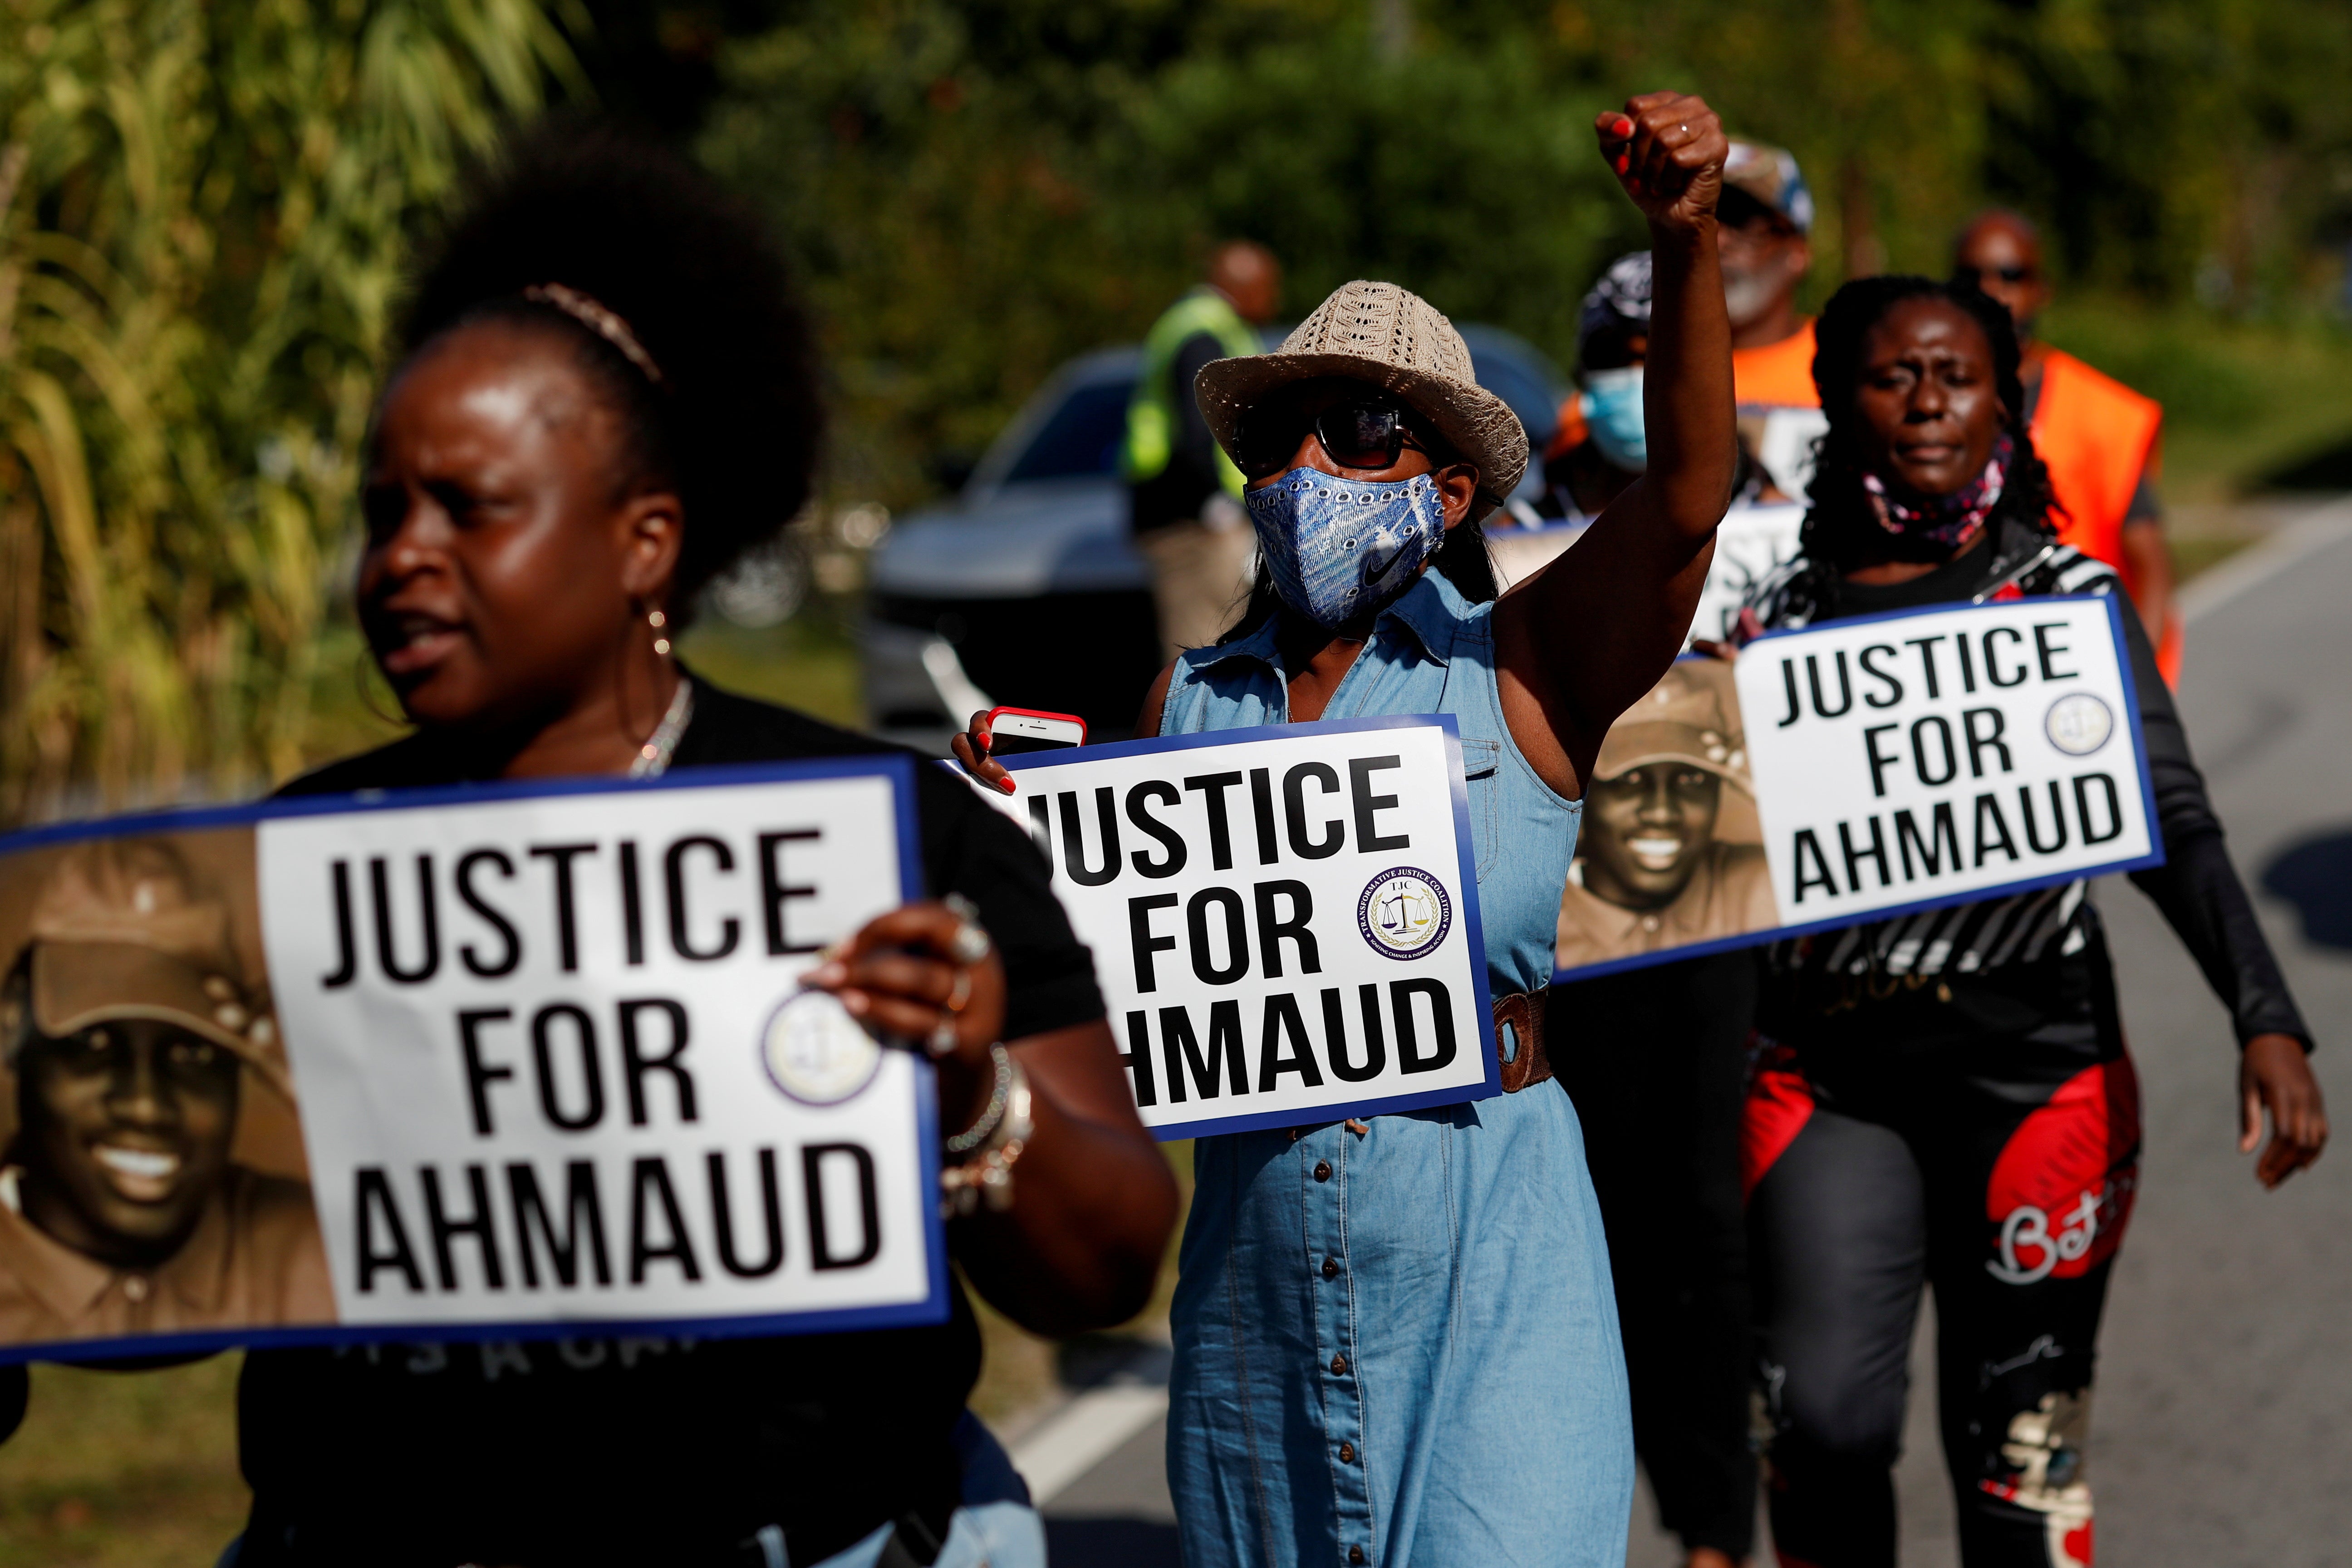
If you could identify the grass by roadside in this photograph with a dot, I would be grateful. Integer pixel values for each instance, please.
(123, 1469)
(809, 663)
(2245, 405)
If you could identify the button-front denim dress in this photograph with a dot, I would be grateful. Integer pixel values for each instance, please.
(1400, 1347)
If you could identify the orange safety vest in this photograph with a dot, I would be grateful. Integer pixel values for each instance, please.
(2096, 437)
(1777, 376)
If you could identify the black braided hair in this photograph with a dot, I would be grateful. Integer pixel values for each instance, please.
(1840, 524)
(736, 420)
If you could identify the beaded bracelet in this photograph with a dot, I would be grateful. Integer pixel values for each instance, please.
(989, 1173)
(974, 1136)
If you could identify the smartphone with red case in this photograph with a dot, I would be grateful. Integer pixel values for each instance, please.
(1012, 731)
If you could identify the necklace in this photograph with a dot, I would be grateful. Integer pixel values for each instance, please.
(653, 757)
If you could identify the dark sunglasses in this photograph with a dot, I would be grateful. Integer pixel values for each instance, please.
(2006, 274)
(1364, 433)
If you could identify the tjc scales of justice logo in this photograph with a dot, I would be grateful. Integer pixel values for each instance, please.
(2078, 723)
(816, 1052)
(1404, 912)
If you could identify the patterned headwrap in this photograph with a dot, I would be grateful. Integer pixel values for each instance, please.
(1622, 298)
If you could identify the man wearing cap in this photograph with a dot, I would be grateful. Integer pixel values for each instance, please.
(1768, 217)
(1650, 872)
(1183, 493)
(1602, 445)
(1655, 1059)
(2098, 438)
(133, 1037)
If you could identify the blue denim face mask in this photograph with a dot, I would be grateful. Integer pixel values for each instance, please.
(1337, 549)
(1613, 412)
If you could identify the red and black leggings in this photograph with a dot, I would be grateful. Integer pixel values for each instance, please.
(2000, 1168)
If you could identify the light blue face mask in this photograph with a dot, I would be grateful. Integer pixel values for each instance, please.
(1613, 412)
(1338, 548)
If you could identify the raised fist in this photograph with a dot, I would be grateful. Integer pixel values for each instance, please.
(1667, 149)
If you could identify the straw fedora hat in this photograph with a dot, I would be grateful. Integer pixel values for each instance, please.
(1396, 340)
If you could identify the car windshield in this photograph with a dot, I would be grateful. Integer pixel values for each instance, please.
(1082, 437)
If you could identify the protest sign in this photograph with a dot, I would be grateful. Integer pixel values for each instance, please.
(1750, 543)
(1861, 768)
(500, 1060)
(1285, 921)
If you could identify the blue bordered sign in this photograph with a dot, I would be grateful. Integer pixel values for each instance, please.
(1231, 885)
(516, 1060)
(1865, 769)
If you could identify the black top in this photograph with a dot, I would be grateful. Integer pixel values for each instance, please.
(636, 1451)
(1178, 491)
(2007, 964)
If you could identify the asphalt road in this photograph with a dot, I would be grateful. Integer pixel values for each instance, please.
(2222, 1432)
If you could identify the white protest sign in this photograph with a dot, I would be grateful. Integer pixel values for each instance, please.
(1932, 757)
(554, 1067)
(1285, 921)
(1750, 544)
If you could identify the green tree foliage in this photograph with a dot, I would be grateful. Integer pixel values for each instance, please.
(979, 188)
(978, 191)
(203, 211)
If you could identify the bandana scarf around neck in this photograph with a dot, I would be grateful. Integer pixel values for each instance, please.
(1952, 520)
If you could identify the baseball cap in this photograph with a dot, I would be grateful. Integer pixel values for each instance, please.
(122, 929)
(1771, 175)
(1690, 717)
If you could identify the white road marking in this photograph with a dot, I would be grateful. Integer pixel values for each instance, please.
(1082, 1433)
(2258, 563)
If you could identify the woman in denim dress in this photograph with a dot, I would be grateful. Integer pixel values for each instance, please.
(1395, 1340)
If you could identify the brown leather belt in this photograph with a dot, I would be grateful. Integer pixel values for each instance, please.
(1524, 1012)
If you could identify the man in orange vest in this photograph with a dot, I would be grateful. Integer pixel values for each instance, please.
(1763, 226)
(2098, 438)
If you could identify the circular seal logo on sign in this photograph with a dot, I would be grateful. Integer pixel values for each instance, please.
(2079, 723)
(816, 1052)
(1404, 912)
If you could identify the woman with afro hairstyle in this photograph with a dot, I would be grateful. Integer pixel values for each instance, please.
(607, 394)
(1946, 1098)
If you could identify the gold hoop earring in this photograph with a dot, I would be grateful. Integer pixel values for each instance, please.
(658, 620)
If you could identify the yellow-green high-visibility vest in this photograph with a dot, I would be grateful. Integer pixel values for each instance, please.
(1151, 413)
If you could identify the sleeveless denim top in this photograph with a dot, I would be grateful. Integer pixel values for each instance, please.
(1399, 1345)
(1431, 652)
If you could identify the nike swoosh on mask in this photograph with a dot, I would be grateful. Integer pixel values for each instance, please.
(1324, 540)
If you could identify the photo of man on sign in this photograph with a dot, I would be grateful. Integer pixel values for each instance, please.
(138, 1048)
(1669, 853)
